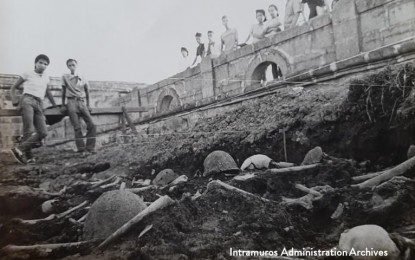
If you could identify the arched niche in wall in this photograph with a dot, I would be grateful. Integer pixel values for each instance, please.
(273, 60)
(168, 100)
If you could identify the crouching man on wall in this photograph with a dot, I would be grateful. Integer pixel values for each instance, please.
(34, 85)
(76, 90)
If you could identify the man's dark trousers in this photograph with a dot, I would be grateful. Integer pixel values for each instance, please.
(77, 109)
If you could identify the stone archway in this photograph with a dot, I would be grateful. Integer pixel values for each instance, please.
(168, 100)
(261, 62)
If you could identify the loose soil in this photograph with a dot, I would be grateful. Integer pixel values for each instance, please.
(362, 127)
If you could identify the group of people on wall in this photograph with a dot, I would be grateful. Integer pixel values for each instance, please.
(229, 40)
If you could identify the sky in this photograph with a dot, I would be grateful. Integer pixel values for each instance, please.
(117, 40)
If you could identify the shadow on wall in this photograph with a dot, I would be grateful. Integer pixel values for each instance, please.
(165, 104)
(168, 101)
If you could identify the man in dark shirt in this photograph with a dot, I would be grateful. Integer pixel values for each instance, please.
(200, 49)
(316, 7)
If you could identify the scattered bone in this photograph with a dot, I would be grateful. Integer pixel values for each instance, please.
(180, 179)
(294, 169)
(306, 201)
(338, 212)
(221, 185)
(244, 177)
(388, 174)
(112, 184)
(82, 219)
(141, 182)
(282, 164)
(138, 190)
(197, 195)
(365, 177)
(281, 171)
(52, 216)
(309, 191)
(155, 206)
(171, 186)
(52, 194)
(46, 249)
(101, 182)
(410, 228)
(148, 228)
(73, 221)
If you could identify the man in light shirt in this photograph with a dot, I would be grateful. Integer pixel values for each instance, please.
(229, 39)
(212, 49)
(35, 85)
(293, 10)
(76, 90)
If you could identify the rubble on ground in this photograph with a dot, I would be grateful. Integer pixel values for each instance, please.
(337, 143)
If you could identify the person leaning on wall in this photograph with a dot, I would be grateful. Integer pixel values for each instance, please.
(75, 90)
(34, 85)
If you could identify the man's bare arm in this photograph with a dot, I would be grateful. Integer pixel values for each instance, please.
(16, 86)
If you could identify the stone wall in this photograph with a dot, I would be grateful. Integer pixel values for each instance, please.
(357, 33)
(357, 36)
(102, 94)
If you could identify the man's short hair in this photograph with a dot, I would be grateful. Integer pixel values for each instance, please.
(198, 35)
(42, 57)
(184, 49)
(210, 32)
(71, 60)
(223, 17)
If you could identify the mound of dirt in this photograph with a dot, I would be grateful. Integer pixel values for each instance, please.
(367, 123)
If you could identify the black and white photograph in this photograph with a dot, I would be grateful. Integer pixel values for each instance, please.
(207, 129)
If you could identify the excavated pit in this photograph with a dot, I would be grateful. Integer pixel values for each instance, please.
(362, 128)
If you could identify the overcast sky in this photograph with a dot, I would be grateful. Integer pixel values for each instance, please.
(122, 40)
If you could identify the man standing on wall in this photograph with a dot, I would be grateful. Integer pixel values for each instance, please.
(229, 39)
(212, 50)
(200, 52)
(34, 85)
(317, 7)
(293, 9)
(76, 89)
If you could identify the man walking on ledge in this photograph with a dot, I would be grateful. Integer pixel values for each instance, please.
(34, 85)
(76, 89)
